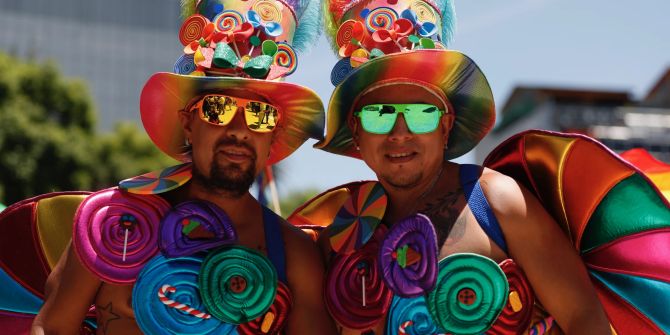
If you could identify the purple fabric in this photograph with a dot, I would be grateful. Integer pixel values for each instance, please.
(100, 234)
(417, 233)
(205, 215)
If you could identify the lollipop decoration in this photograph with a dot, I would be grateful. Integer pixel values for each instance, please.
(193, 28)
(357, 219)
(182, 312)
(116, 233)
(380, 18)
(470, 293)
(356, 296)
(286, 57)
(227, 21)
(237, 284)
(161, 181)
(408, 256)
(194, 226)
(185, 65)
(340, 71)
(518, 312)
(274, 319)
(410, 316)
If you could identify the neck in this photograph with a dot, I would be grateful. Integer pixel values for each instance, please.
(404, 200)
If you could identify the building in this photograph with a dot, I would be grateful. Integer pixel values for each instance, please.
(114, 45)
(612, 117)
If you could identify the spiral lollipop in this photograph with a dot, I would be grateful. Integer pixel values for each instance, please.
(424, 12)
(184, 65)
(268, 11)
(411, 315)
(346, 32)
(380, 18)
(286, 57)
(237, 284)
(116, 233)
(228, 20)
(408, 256)
(192, 29)
(166, 299)
(273, 321)
(340, 71)
(470, 293)
(193, 226)
(358, 217)
(518, 312)
(356, 295)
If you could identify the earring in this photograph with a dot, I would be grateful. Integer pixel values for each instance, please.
(186, 141)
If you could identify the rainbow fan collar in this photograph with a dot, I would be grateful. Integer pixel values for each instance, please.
(402, 41)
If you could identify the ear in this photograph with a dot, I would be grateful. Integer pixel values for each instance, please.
(185, 118)
(446, 123)
(353, 124)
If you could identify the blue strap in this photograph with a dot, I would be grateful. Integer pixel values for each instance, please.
(274, 242)
(479, 206)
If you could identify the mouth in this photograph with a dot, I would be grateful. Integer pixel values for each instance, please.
(401, 157)
(236, 154)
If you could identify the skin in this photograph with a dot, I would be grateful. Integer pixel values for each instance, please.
(71, 288)
(423, 181)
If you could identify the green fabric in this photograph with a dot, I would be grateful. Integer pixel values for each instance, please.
(629, 207)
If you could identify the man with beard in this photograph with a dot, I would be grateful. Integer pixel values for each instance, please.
(217, 260)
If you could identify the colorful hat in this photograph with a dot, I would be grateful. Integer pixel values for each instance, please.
(402, 41)
(238, 44)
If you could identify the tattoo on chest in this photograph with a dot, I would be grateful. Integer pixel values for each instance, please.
(444, 212)
(106, 316)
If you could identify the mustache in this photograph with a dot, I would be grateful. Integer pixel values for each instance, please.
(236, 143)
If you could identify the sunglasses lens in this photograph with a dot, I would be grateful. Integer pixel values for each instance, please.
(378, 119)
(218, 110)
(261, 117)
(422, 119)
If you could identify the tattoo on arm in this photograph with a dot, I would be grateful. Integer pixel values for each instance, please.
(106, 316)
(444, 212)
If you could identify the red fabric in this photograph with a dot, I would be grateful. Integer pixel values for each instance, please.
(16, 325)
(625, 318)
(20, 252)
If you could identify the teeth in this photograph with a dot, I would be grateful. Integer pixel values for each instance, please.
(399, 155)
(233, 152)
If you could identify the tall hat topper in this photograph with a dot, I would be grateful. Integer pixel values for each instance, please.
(246, 45)
(382, 41)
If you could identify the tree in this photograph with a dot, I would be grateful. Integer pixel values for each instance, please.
(48, 140)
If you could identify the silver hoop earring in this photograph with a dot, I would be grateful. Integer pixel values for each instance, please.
(186, 142)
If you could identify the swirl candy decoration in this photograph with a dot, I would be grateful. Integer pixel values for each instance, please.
(345, 33)
(414, 311)
(408, 256)
(184, 65)
(340, 71)
(470, 293)
(237, 284)
(424, 12)
(155, 315)
(194, 226)
(116, 233)
(228, 20)
(268, 11)
(273, 321)
(380, 18)
(286, 57)
(356, 295)
(518, 312)
(192, 28)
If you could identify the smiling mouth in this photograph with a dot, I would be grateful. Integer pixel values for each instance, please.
(401, 157)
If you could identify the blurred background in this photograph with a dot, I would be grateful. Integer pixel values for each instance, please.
(71, 72)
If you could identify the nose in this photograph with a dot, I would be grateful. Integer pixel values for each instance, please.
(400, 131)
(237, 127)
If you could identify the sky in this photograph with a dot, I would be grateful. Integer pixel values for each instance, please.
(596, 44)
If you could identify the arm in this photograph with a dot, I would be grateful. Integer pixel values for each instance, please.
(541, 248)
(305, 272)
(70, 290)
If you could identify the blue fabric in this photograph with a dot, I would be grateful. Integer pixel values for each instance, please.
(274, 242)
(15, 298)
(469, 175)
(649, 296)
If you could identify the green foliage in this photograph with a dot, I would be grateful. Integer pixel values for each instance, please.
(48, 140)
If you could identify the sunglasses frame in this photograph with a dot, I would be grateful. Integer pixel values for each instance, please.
(401, 110)
(197, 107)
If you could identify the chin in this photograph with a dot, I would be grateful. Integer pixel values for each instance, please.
(401, 180)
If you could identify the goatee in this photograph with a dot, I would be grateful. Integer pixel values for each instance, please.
(233, 179)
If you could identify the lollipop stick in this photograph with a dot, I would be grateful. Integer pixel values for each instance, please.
(125, 245)
(253, 46)
(363, 289)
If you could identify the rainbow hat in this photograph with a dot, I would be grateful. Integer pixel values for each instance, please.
(232, 44)
(402, 41)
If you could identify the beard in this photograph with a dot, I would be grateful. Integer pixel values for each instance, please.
(231, 178)
(402, 181)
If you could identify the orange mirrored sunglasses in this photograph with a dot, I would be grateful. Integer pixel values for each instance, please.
(219, 110)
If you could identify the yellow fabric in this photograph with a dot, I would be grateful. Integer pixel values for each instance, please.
(54, 224)
(323, 210)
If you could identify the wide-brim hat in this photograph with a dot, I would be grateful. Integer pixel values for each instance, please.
(455, 74)
(165, 94)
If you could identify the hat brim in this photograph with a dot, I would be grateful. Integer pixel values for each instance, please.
(461, 80)
(165, 94)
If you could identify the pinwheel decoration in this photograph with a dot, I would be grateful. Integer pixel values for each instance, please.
(615, 217)
(657, 171)
(157, 182)
(33, 235)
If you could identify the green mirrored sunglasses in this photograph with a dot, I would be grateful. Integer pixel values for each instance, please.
(381, 118)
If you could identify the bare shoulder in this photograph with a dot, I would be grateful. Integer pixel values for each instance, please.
(301, 250)
(505, 195)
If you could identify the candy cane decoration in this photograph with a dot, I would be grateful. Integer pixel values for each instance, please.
(184, 308)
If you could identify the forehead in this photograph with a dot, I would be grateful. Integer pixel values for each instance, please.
(234, 93)
(398, 93)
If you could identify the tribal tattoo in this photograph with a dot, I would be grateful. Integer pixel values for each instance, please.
(445, 212)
